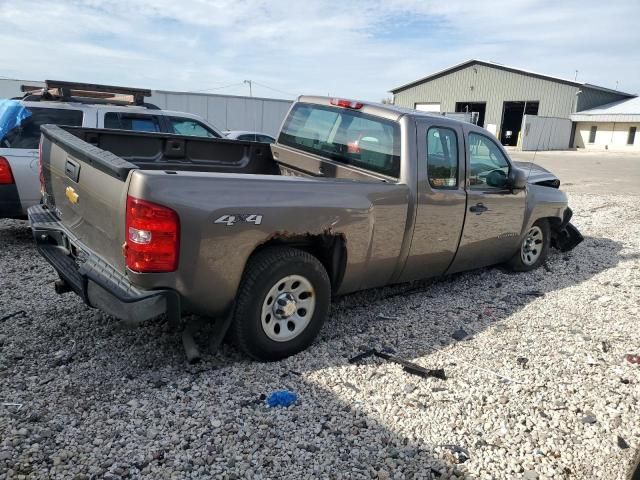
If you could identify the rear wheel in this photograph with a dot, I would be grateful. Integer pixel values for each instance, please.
(534, 248)
(282, 303)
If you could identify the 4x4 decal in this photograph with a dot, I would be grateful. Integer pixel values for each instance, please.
(230, 220)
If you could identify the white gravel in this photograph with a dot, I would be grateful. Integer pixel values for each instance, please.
(100, 400)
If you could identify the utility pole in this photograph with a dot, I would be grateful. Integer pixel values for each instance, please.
(250, 83)
(576, 77)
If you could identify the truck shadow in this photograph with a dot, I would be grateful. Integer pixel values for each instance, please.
(121, 378)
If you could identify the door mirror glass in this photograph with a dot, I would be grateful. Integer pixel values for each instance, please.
(497, 179)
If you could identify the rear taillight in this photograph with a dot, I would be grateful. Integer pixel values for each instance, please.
(6, 177)
(152, 237)
(339, 102)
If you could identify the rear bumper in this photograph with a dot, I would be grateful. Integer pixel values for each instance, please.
(10, 202)
(94, 280)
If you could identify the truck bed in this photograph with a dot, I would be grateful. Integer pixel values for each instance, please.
(162, 151)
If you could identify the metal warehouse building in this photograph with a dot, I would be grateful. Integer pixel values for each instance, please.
(227, 112)
(499, 97)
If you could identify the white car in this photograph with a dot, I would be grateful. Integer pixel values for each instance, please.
(248, 136)
(93, 106)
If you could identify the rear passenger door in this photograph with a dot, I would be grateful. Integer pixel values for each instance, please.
(441, 200)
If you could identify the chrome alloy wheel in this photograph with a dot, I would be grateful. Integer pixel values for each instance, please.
(288, 308)
(531, 248)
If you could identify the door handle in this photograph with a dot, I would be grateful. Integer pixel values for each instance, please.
(478, 208)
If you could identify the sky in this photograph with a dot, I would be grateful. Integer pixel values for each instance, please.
(349, 48)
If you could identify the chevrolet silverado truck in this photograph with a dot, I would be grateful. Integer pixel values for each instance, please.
(352, 196)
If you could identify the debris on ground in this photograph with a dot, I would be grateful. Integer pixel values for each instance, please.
(12, 404)
(387, 317)
(459, 334)
(622, 443)
(606, 346)
(455, 453)
(522, 361)
(281, 398)
(409, 367)
(589, 418)
(634, 359)
(11, 315)
(533, 293)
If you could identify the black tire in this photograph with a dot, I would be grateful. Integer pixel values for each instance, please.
(264, 270)
(519, 263)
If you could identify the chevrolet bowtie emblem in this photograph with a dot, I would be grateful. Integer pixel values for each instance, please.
(71, 195)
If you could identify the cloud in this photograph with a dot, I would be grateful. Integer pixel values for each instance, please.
(357, 48)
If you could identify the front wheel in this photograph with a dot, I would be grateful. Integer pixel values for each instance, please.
(281, 305)
(534, 248)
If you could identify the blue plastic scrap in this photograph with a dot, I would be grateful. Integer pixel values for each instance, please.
(282, 398)
(12, 114)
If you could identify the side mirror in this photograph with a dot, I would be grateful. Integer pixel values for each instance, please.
(517, 179)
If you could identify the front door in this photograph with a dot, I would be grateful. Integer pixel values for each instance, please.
(441, 200)
(495, 213)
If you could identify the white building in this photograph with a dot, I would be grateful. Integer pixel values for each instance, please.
(614, 126)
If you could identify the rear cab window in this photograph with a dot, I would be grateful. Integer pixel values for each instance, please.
(345, 136)
(27, 133)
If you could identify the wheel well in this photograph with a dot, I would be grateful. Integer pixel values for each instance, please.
(329, 249)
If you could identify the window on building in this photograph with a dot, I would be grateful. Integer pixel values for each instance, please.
(27, 134)
(632, 136)
(432, 107)
(592, 134)
(488, 166)
(442, 157)
(135, 122)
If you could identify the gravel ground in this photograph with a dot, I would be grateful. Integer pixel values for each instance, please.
(539, 388)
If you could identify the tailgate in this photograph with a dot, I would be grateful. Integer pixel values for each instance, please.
(86, 187)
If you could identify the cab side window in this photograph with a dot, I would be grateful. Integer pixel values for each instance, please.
(442, 158)
(187, 126)
(488, 167)
(135, 122)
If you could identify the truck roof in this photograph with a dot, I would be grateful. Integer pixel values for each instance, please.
(384, 110)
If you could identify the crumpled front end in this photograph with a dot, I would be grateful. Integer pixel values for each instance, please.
(566, 236)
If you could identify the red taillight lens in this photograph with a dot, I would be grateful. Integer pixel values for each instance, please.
(346, 103)
(6, 176)
(152, 237)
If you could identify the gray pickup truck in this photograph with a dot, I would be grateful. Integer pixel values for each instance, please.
(351, 196)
